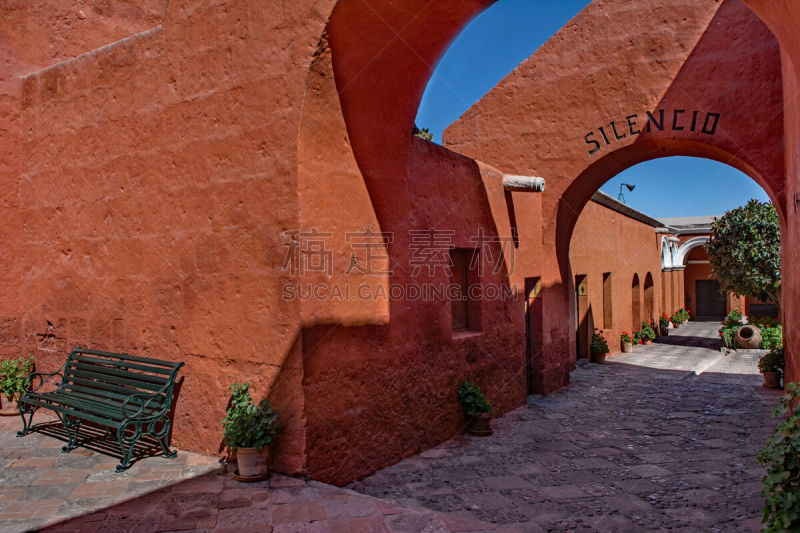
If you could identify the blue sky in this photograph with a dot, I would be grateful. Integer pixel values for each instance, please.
(499, 39)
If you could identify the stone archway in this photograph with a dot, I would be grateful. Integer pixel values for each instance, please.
(636, 303)
(649, 297)
(577, 128)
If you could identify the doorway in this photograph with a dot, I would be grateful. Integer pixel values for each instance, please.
(710, 302)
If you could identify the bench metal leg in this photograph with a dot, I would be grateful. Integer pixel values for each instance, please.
(162, 436)
(127, 443)
(26, 424)
(72, 430)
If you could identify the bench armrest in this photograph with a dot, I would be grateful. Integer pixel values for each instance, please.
(148, 399)
(43, 378)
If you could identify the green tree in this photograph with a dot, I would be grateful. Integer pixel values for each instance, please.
(745, 251)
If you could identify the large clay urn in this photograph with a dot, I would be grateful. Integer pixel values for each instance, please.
(748, 337)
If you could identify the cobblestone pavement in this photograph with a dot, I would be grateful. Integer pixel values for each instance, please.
(42, 489)
(661, 439)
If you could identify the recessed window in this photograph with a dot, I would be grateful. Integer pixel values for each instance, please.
(608, 320)
(464, 289)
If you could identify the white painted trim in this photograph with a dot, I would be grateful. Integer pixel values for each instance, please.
(687, 247)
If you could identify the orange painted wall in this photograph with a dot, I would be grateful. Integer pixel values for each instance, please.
(605, 240)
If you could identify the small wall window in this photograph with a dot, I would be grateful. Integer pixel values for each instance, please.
(608, 320)
(465, 305)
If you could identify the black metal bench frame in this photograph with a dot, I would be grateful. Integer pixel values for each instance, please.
(130, 396)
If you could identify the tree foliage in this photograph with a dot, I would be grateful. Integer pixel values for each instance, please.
(745, 251)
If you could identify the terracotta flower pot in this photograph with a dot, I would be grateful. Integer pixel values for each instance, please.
(9, 406)
(252, 462)
(627, 347)
(676, 324)
(748, 337)
(480, 425)
(772, 380)
(648, 342)
(599, 358)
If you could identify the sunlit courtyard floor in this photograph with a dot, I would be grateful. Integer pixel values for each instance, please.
(664, 438)
(661, 439)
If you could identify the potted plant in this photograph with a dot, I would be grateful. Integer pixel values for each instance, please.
(476, 407)
(648, 333)
(598, 348)
(771, 365)
(663, 324)
(627, 342)
(684, 315)
(637, 337)
(676, 320)
(13, 382)
(249, 430)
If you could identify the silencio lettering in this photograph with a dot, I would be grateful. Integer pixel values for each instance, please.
(677, 120)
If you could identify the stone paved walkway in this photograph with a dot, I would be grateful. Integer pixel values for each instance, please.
(661, 439)
(42, 489)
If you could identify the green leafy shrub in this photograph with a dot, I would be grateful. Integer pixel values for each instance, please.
(763, 322)
(728, 335)
(683, 315)
(781, 456)
(626, 337)
(599, 344)
(771, 338)
(734, 318)
(246, 425)
(648, 333)
(676, 318)
(13, 376)
(472, 399)
(772, 361)
(637, 337)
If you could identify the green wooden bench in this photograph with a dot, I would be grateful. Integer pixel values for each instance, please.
(128, 395)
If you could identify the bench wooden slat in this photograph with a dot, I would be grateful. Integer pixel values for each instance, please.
(82, 404)
(129, 357)
(116, 403)
(127, 391)
(33, 400)
(95, 391)
(161, 381)
(108, 378)
(127, 378)
(122, 363)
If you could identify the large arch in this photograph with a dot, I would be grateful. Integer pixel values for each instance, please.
(666, 74)
(380, 77)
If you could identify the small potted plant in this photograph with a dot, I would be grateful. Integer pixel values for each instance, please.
(663, 324)
(771, 365)
(476, 407)
(13, 382)
(627, 342)
(249, 430)
(648, 333)
(598, 348)
(676, 320)
(637, 337)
